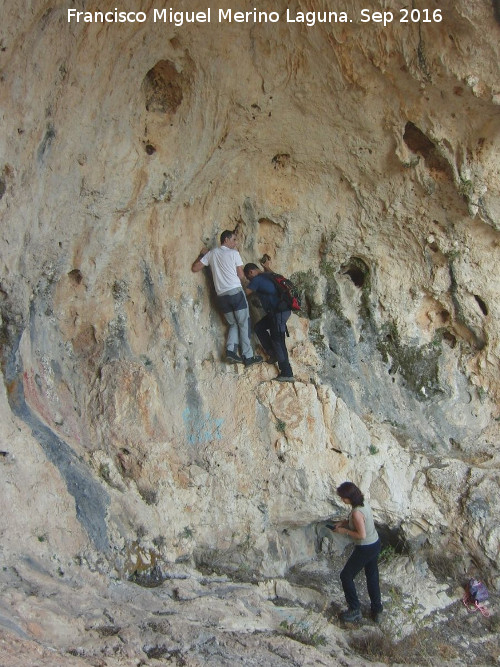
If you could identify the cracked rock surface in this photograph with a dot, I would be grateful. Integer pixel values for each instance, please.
(363, 159)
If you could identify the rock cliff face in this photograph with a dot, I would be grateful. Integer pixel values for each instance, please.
(363, 159)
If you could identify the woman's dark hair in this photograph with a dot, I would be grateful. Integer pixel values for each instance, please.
(250, 267)
(351, 491)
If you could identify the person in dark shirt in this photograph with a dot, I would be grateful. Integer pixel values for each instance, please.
(271, 329)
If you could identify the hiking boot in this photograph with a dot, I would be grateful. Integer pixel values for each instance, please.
(285, 378)
(351, 616)
(248, 361)
(233, 358)
(375, 615)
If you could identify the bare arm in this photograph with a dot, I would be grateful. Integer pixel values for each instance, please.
(265, 263)
(241, 274)
(198, 264)
(359, 532)
(244, 280)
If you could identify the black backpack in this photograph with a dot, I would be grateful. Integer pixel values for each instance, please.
(289, 298)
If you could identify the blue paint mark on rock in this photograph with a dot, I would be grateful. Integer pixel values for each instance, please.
(201, 428)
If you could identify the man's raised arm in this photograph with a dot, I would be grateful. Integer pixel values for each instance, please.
(198, 264)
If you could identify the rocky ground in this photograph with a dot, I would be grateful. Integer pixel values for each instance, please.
(363, 159)
(66, 615)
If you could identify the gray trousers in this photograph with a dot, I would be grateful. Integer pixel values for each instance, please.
(234, 307)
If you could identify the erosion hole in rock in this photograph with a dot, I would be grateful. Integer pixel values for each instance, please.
(281, 160)
(481, 304)
(392, 539)
(162, 87)
(449, 339)
(75, 276)
(496, 9)
(418, 142)
(357, 271)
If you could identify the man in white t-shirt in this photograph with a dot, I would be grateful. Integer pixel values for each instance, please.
(227, 273)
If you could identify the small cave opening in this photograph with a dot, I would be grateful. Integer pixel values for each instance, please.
(357, 271)
(163, 88)
(392, 540)
(449, 339)
(481, 304)
(418, 142)
(75, 276)
(281, 160)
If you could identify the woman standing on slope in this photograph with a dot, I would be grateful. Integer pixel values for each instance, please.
(360, 528)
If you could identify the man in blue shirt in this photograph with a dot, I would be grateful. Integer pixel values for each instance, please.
(271, 329)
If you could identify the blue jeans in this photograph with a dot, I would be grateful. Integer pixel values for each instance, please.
(364, 556)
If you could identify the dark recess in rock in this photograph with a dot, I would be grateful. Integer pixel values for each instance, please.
(419, 143)
(357, 271)
(481, 304)
(163, 88)
(75, 276)
(496, 9)
(46, 142)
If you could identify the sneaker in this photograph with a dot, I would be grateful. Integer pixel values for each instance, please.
(248, 361)
(233, 358)
(375, 615)
(285, 378)
(351, 615)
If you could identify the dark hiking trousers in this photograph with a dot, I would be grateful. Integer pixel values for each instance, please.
(271, 331)
(363, 556)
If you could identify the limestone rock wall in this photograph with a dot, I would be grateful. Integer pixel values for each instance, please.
(364, 160)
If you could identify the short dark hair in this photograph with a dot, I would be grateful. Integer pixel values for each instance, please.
(250, 267)
(351, 491)
(226, 234)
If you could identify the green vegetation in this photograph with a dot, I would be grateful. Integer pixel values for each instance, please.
(280, 425)
(419, 648)
(387, 554)
(105, 472)
(187, 533)
(419, 366)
